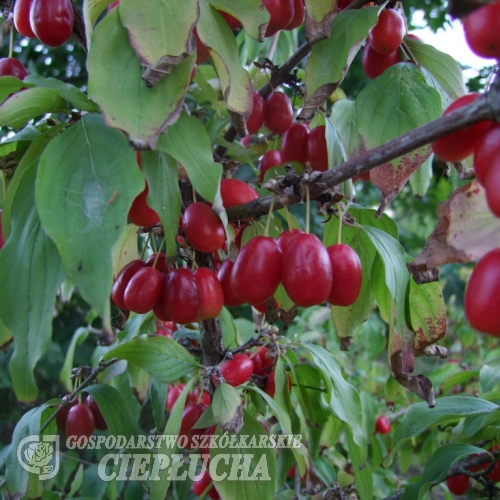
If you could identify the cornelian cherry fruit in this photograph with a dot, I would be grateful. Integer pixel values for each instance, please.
(487, 149)
(203, 228)
(347, 275)
(317, 151)
(140, 213)
(12, 67)
(387, 35)
(52, 21)
(281, 12)
(80, 421)
(238, 370)
(191, 414)
(256, 118)
(121, 282)
(143, 290)
(270, 159)
(224, 276)
(285, 238)
(22, 23)
(458, 485)
(235, 192)
(99, 421)
(374, 64)
(481, 30)
(181, 296)
(294, 143)
(271, 383)
(202, 482)
(299, 13)
(278, 113)
(62, 415)
(383, 425)
(211, 291)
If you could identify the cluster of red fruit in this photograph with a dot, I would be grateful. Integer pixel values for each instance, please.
(382, 46)
(80, 419)
(481, 140)
(459, 484)
(51, 21)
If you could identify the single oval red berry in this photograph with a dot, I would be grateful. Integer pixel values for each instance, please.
(294, 143)
(235, 192)
(270, 159)
(80, 421)
(383, 424)
(203, 228)
(121, 282)
(387, 35)
(100, 423)
(281, 12)
(256, 118)
(481, 31)
(458, 485)
(299, 13)
(181, 296)
(173, 395)
(224, 276)
(143, 290)
(491, 183)
(12, 67)
(52, 21)
(212, 293)
(375, 64)
(140, 213)
(317, 151)
(62, 415)
(347, 275)
(202, 52)
(486, 151)
(22, 23)
(278, 113)
(286, 237)
(238, 370)
(191, 414)
(481, 295)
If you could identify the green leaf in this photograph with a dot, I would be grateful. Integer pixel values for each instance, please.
(30, 103)
(164, 195)
(5, 337)
(195, 156)
(10, 85)
(228, 328)
(115, 410)
(158, 29)
(420, 417)
(258, 466)
(235, 81)
(158, 396)
(163, 358)
(115, 82)
(249, 12)
(489, 378)
(330, 58)
(443, 71)
(420, 180)
(83, 203)
(92, 9)
(343, 118)
(68, 92)
(78, 338)
(225, 403)
(30, 273)
(139, 382)
(77, 482)
(335, 148)
(125, 249)
(318, 20)
(437, 467)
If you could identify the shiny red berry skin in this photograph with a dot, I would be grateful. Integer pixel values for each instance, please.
(231, 21)
(458, 485)
(491, 183)
(62, 415)
(235, 192)
(99, 421)
(203, 228)
(294, 143)
(212, 293)
(481, 31)
(278, 113)
(317, 152)
(271, 383)
(22, 23)
(191, 414)
(387, 35)
(80, 421)
(224, 276)
(12, 67)
(460, 144)
(347, 275)
(266, 361)
(181, 296)
(481, 295)
(202, 52)
(286, 237)
(281, 12)
(140, 213)
(486, 151)
(121, 282)
(143, 290)
(375, 64)
(201, 484)
(52, 21)
(299, 13)
(256, 118)
(238, 370)
(270, 159)
(173, 395)
(307, 271)
(382, 425)
(161, 262)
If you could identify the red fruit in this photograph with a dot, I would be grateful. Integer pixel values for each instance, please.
(307, 271)
(299, 14)
(460, 144)
(203, 228)
(285, 238)
(278, 113)
(143, 290)
(347, 275)
(12, 67)
(113, 5)
(281, 12)
(317, 152)
(266, 361)
(173, 395)
(160, 313)
(22, 18)
(212, 294)
(140, 213)
(201, 484)
(262, 307)
(80, 421)
(99, 421)
(342, 4)
(270, 159)
(487, 150)
(481, 295)
(165, 328)
(52, 21)
(383, 424)
(224, 276)
(458, 485)
(194, 397)
(62, 416)
(375, 64)
(231, 21)
(238, 370)
(181, 296)
(256, 272)
(256, 118)
(161, 263)
(271, 384)
(235, 192)
(122, 281)
(494, 475)
(202, 52)
(388, 33)
(294, 143)
(191, 414)
(491, 183)
(291, 472)
(481, 31)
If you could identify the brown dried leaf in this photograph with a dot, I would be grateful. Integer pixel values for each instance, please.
(319, 17)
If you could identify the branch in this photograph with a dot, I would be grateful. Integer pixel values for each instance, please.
(484, 108)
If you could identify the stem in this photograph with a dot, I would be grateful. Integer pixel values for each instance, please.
(308, 207)
(339, 235)
(158, 252)
(145, 246)
(288, 219)
(11, 39)
(269, 217)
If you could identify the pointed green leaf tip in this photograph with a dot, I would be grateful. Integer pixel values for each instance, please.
(87, 180)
